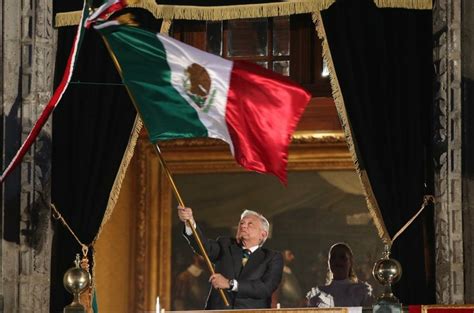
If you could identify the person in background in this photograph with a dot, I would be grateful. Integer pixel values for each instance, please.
(289, 293)
(342, 288)
(191, 286)
(246, 270)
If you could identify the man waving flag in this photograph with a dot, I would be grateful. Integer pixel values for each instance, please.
(183, 92)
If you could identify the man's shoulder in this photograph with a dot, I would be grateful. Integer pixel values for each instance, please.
(270, 253)
(226, 240)
(269, 250)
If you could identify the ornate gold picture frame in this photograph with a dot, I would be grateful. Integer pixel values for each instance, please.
(152, 264)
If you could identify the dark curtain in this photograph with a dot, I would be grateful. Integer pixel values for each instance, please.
(383, 61)
(91, 129)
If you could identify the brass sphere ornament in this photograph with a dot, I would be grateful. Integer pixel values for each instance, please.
(76, 280)
(387, 271)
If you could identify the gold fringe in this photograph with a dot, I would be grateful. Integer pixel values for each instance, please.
(115, 192)
(348, 132)
(127, 19)
(213, 13)
(67, 19)
(405, 4)
(165, 26)
(220, 13)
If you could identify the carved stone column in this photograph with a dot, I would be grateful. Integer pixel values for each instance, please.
(467, 43)
(27, 67)
(448, 152)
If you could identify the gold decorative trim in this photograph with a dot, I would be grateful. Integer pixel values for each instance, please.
(115, 191)
(213, 13)
(67, 19)
(139, 253)
(299, 138)
(162, 255)
(340, 106)
(405, 4)
(152, 233)
(305, 137)
(425, 308)
(220, 13)
(211, 155)
(165, 26)
(192, 142)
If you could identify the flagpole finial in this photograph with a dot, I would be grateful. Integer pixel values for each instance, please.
(90, 7)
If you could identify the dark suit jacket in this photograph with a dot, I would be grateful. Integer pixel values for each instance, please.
(256, 280)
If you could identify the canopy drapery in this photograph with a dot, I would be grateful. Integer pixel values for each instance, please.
(95, 130)
(382, 85)
(381, 74)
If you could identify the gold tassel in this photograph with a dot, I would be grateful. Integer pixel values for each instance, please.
(405, 4)
(86, 296)
(340, 106)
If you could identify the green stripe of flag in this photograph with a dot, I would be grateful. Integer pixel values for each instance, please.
(146, 73)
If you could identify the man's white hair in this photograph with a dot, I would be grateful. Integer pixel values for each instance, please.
(263, 221)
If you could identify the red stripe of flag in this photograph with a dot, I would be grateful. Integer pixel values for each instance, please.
(105, 11)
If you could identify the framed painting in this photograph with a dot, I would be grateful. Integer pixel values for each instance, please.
(322, 204)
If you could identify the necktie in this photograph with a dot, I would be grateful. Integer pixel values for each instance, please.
(245, 256)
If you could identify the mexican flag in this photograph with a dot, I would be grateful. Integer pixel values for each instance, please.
(107, 9)
(183, 92)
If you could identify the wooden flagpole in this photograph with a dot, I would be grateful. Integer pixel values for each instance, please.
(168, 174)
(188, 223)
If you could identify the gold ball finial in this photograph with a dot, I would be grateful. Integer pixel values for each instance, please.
(76, 280)
(387, 271)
